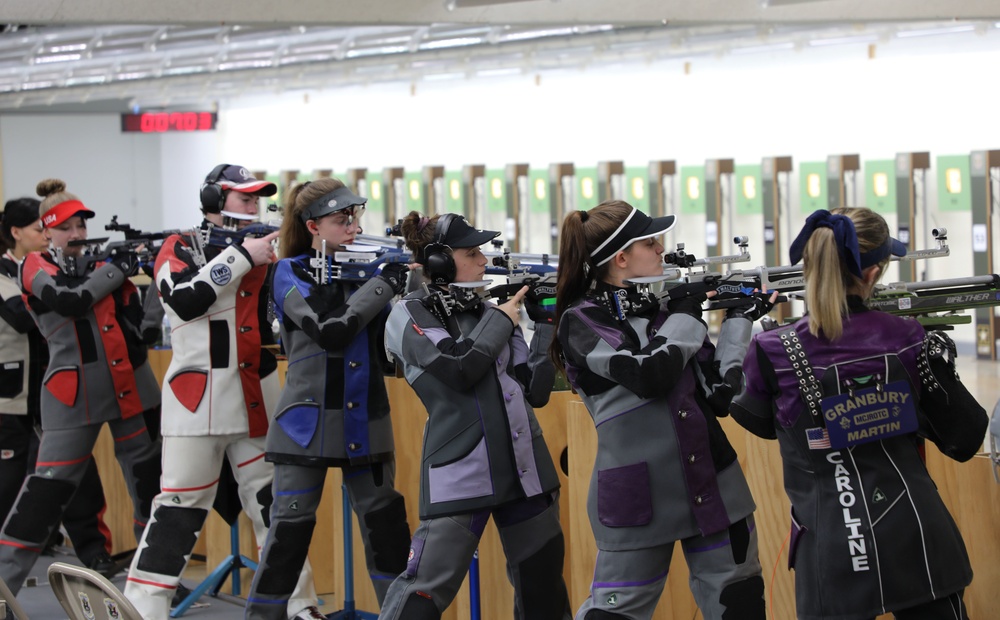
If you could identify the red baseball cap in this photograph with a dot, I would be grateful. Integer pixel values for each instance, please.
(239, 179)
(63, 211)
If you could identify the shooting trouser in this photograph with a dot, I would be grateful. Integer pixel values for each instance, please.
(63, 458)
(16, 431)
(191, 469)
(83, 517)
(297, 490)
(443, 547)
(725, 574)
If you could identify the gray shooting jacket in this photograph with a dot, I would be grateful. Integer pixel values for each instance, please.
(653, 384)
(478, 380)
(333, 410)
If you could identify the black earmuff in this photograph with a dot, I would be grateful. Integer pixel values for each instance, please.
(439, 264)
(212, 196)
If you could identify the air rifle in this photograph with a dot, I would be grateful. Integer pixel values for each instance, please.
(538, 271)
(936, 303)
(225, 236)
(358, 262)
(535, 270)
(789, 280)
(144, 245)
(94, 253)
(733, 289)
(153, 241)
(132, 233)
(700, 278)
(213, 236)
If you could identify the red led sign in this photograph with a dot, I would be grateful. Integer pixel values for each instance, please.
(162, 122)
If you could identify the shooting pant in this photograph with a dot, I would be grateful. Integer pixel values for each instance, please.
(63, 459)
(724, 570)
(443, 547)
(297, 490)
(191, 468)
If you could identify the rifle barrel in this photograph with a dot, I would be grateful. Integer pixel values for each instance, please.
(771, 271)
(992, 279)
(396, 242)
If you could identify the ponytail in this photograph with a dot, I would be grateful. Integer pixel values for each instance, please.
(828, 281)
(582, 232)
(827, 300)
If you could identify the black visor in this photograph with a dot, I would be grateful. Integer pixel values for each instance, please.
(637, 226)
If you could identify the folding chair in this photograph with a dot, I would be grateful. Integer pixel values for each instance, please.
(10, 604)
(85, 594)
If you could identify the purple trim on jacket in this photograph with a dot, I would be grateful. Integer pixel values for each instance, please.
(867, 337)
(517, 417)
(700, 476)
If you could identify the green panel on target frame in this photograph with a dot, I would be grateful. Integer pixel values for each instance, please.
(375, 190)
(496, 188)
(538, 190)
(413, 191)
(880, 185)
(453, 190)
(586, 188)
(747, 190)
(812, 186)
(693, 190)
(954, 192)
(637, 188)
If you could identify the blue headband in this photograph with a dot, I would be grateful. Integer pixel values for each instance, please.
(844, 235)
(846, 238)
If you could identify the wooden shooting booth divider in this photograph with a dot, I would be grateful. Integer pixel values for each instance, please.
(969, 490)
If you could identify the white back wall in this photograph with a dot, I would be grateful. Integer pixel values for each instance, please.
(808, 104)
(912, 96)
(148, 181)
(935, 94)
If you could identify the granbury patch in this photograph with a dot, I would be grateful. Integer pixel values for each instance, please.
(869, 414)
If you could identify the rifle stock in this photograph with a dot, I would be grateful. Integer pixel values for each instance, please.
(539, 274)
(358, 263)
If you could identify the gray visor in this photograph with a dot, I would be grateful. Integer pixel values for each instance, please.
(337, 200)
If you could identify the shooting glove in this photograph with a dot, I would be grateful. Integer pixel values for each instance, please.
(757, 307)
(395, 276)
(128, 262)
(540, 302)
(688, 305)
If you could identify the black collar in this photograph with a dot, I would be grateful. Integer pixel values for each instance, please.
(856, 304)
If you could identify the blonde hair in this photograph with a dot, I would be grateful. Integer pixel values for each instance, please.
(53, 192)
(295, 238)
(828, 281)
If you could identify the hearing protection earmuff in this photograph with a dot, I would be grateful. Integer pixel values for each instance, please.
(439, 264)
(212, 196)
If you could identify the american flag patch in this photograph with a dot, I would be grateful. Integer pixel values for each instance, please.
(817, 438)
